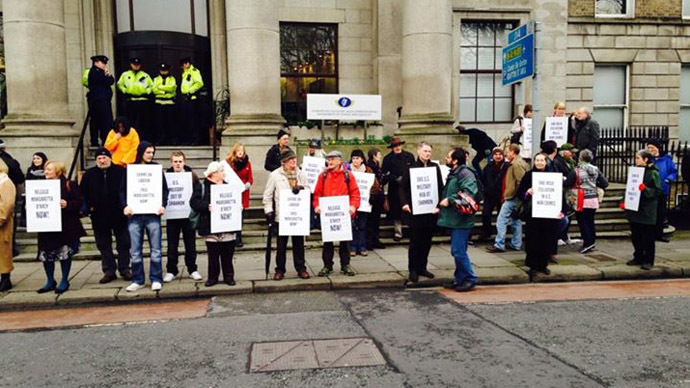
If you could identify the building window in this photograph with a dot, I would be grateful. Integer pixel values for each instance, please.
(615, 8)
(684, 120)
(186, 16)
(483, 98)
(611, 95)
(686, 9)
(308, 64)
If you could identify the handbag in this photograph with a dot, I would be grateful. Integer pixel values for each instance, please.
(523, 211)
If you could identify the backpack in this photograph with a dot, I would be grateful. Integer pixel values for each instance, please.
(347, 179)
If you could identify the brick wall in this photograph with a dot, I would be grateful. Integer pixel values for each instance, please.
(658, 9)
(581, 8)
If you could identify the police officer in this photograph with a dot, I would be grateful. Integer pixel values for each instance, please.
(190, 85)
(99, 81)
(164, 89)
(136, 86)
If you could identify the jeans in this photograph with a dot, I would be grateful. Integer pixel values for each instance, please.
(585, 219)
(503, 221)
(563, 227)
(189, 237)
(136, 225)
(104, 242)
(359, 232)
(458, 247)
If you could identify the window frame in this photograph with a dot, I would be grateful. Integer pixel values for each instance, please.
(477, 71)
(682, 8)
(629, 11)
(683, 107)
(626, 105)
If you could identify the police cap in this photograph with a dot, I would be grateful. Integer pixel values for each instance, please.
(163, 66)
(100, 58)
(135, 60)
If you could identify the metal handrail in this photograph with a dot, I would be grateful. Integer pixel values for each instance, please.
(79, 150)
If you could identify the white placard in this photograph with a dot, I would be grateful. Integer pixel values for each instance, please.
(344, 107)
(179, 192)
(526, 148)
(230, 176)
(43, 212)
(145, 188)
(557, 130)
(294, 213)
(336, 224)
(445, 171)
(632, 188)
(424, 189)
(547, 200)
(312, 167)
(226, 208)
(364, 182)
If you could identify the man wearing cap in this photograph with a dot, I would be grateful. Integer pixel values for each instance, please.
(492, 178)
(99, 81)
(274, 153)
(336, 181)
(100, 188)
(190, 85)
(393, 168)
(289, 177)
(136, 86)
(568, 152)
(164, 88)
(668, 173)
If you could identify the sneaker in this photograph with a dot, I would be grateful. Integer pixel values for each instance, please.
(325, 271)
(156, 286)
(353, 253)
(587, 249)
(134, 287)
(364, 253)
(169, 277)
(347, 270)
(562, 243)
(196, 276)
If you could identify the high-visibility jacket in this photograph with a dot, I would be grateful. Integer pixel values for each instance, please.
(164, 89)
(191, 83)
(135, 85)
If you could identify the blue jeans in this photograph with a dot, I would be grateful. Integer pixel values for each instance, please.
(458, 248)
(359, 232)
(503, 221)
(136, 226)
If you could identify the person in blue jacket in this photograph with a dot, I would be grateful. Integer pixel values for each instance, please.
(668, 173)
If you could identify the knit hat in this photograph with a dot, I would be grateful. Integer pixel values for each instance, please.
(315, 143)
(655, 142)
(358, 153)
(497, 150)
(549, 146)
(213, 167)
(282, 133)
(103, 151)
(287, 155)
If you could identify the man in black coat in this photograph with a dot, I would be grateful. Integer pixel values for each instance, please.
(393, 168)
(422, 226)
(273, 155)
(480, 142)
(100, 188)
(588, 133)
(99, 81)
(492, 178)
(17, 177)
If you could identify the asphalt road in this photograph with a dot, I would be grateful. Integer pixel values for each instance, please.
(427, 340)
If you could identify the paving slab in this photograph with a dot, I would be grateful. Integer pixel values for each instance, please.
(27, 298)
(501, 275)
(242, 287)
(370, 280)
(622, 271)
(84, 296)
(179, 289)
(143, 294)
(486, 259)
(569, 273)
(441, 277)
(292, 284)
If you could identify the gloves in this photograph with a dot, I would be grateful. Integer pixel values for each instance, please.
(296, 189)
(642, 186)
(247, 186)
(622, 205)
(270, 217)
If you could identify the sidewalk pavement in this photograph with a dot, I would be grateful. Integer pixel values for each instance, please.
(386, 268)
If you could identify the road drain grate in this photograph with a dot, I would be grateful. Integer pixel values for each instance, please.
(314, 354)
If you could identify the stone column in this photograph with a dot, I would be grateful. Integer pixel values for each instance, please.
(254, 78)
(38, 109)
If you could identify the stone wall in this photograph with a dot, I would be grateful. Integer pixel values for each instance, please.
(644, 9)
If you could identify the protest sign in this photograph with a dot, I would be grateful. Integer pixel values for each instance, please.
(424, 189)
(557, 130)
(179, 193)
(336, 224)
(312, 167)
(547, 199)
(226, 208)
(43, 212)
(294, 213)
(632, 188)
(364, 182)
(145, 188)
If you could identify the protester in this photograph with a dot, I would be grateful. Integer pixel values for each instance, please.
(668, 172)
(57, 246)
(461, 179)
(377, 198)
(37, 169)
(238, 160)
(394, 166)
(100, 188)
(541, 233)
(315, 150)
(492, 178)
(422, 226)
(8, 197)
(568, 152)
(559, 111)
(587, 177)
(336, 181)
(289, 177)
(480, 142)
(511, 181)
(643, 221)
(178, 162)
(358, 246)
(274, 153)
(556, 163)
(519, 125)
(140, 223)
(17, 177)
(588, 133)
(220, 246)
(122, 142)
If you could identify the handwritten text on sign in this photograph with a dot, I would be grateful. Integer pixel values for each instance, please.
(312, 167)
(526, 151)
(557, 130)
(364, 182)
(336, 224)
(226, 208)
(145, 188)
(632, 188)
(424, 185)
(43, 212)
(179, 193)
(294, 213)
(547, 199)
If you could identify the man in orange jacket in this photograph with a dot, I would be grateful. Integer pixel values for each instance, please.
(336, 181)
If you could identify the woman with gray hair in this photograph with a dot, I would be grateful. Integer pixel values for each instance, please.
(582, 183)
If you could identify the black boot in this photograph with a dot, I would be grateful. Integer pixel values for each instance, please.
(5, 283)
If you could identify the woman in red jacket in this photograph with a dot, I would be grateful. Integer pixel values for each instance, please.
(239, 161)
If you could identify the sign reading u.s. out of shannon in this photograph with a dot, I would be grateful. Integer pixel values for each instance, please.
(344, 107)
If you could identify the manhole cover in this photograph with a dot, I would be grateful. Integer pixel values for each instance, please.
(601, 257)
(316, 354)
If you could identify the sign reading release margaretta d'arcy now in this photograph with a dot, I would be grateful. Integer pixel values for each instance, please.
(365, 107)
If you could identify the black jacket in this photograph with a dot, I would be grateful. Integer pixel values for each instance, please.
(100, 85)
(201, 199)
(587, 135)
(492, 178)
(72, 230)
(100, 190)
(15, 170)
(405, 192)
(273, 158)
(558, 164)
(393, 168)
(479, 140)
